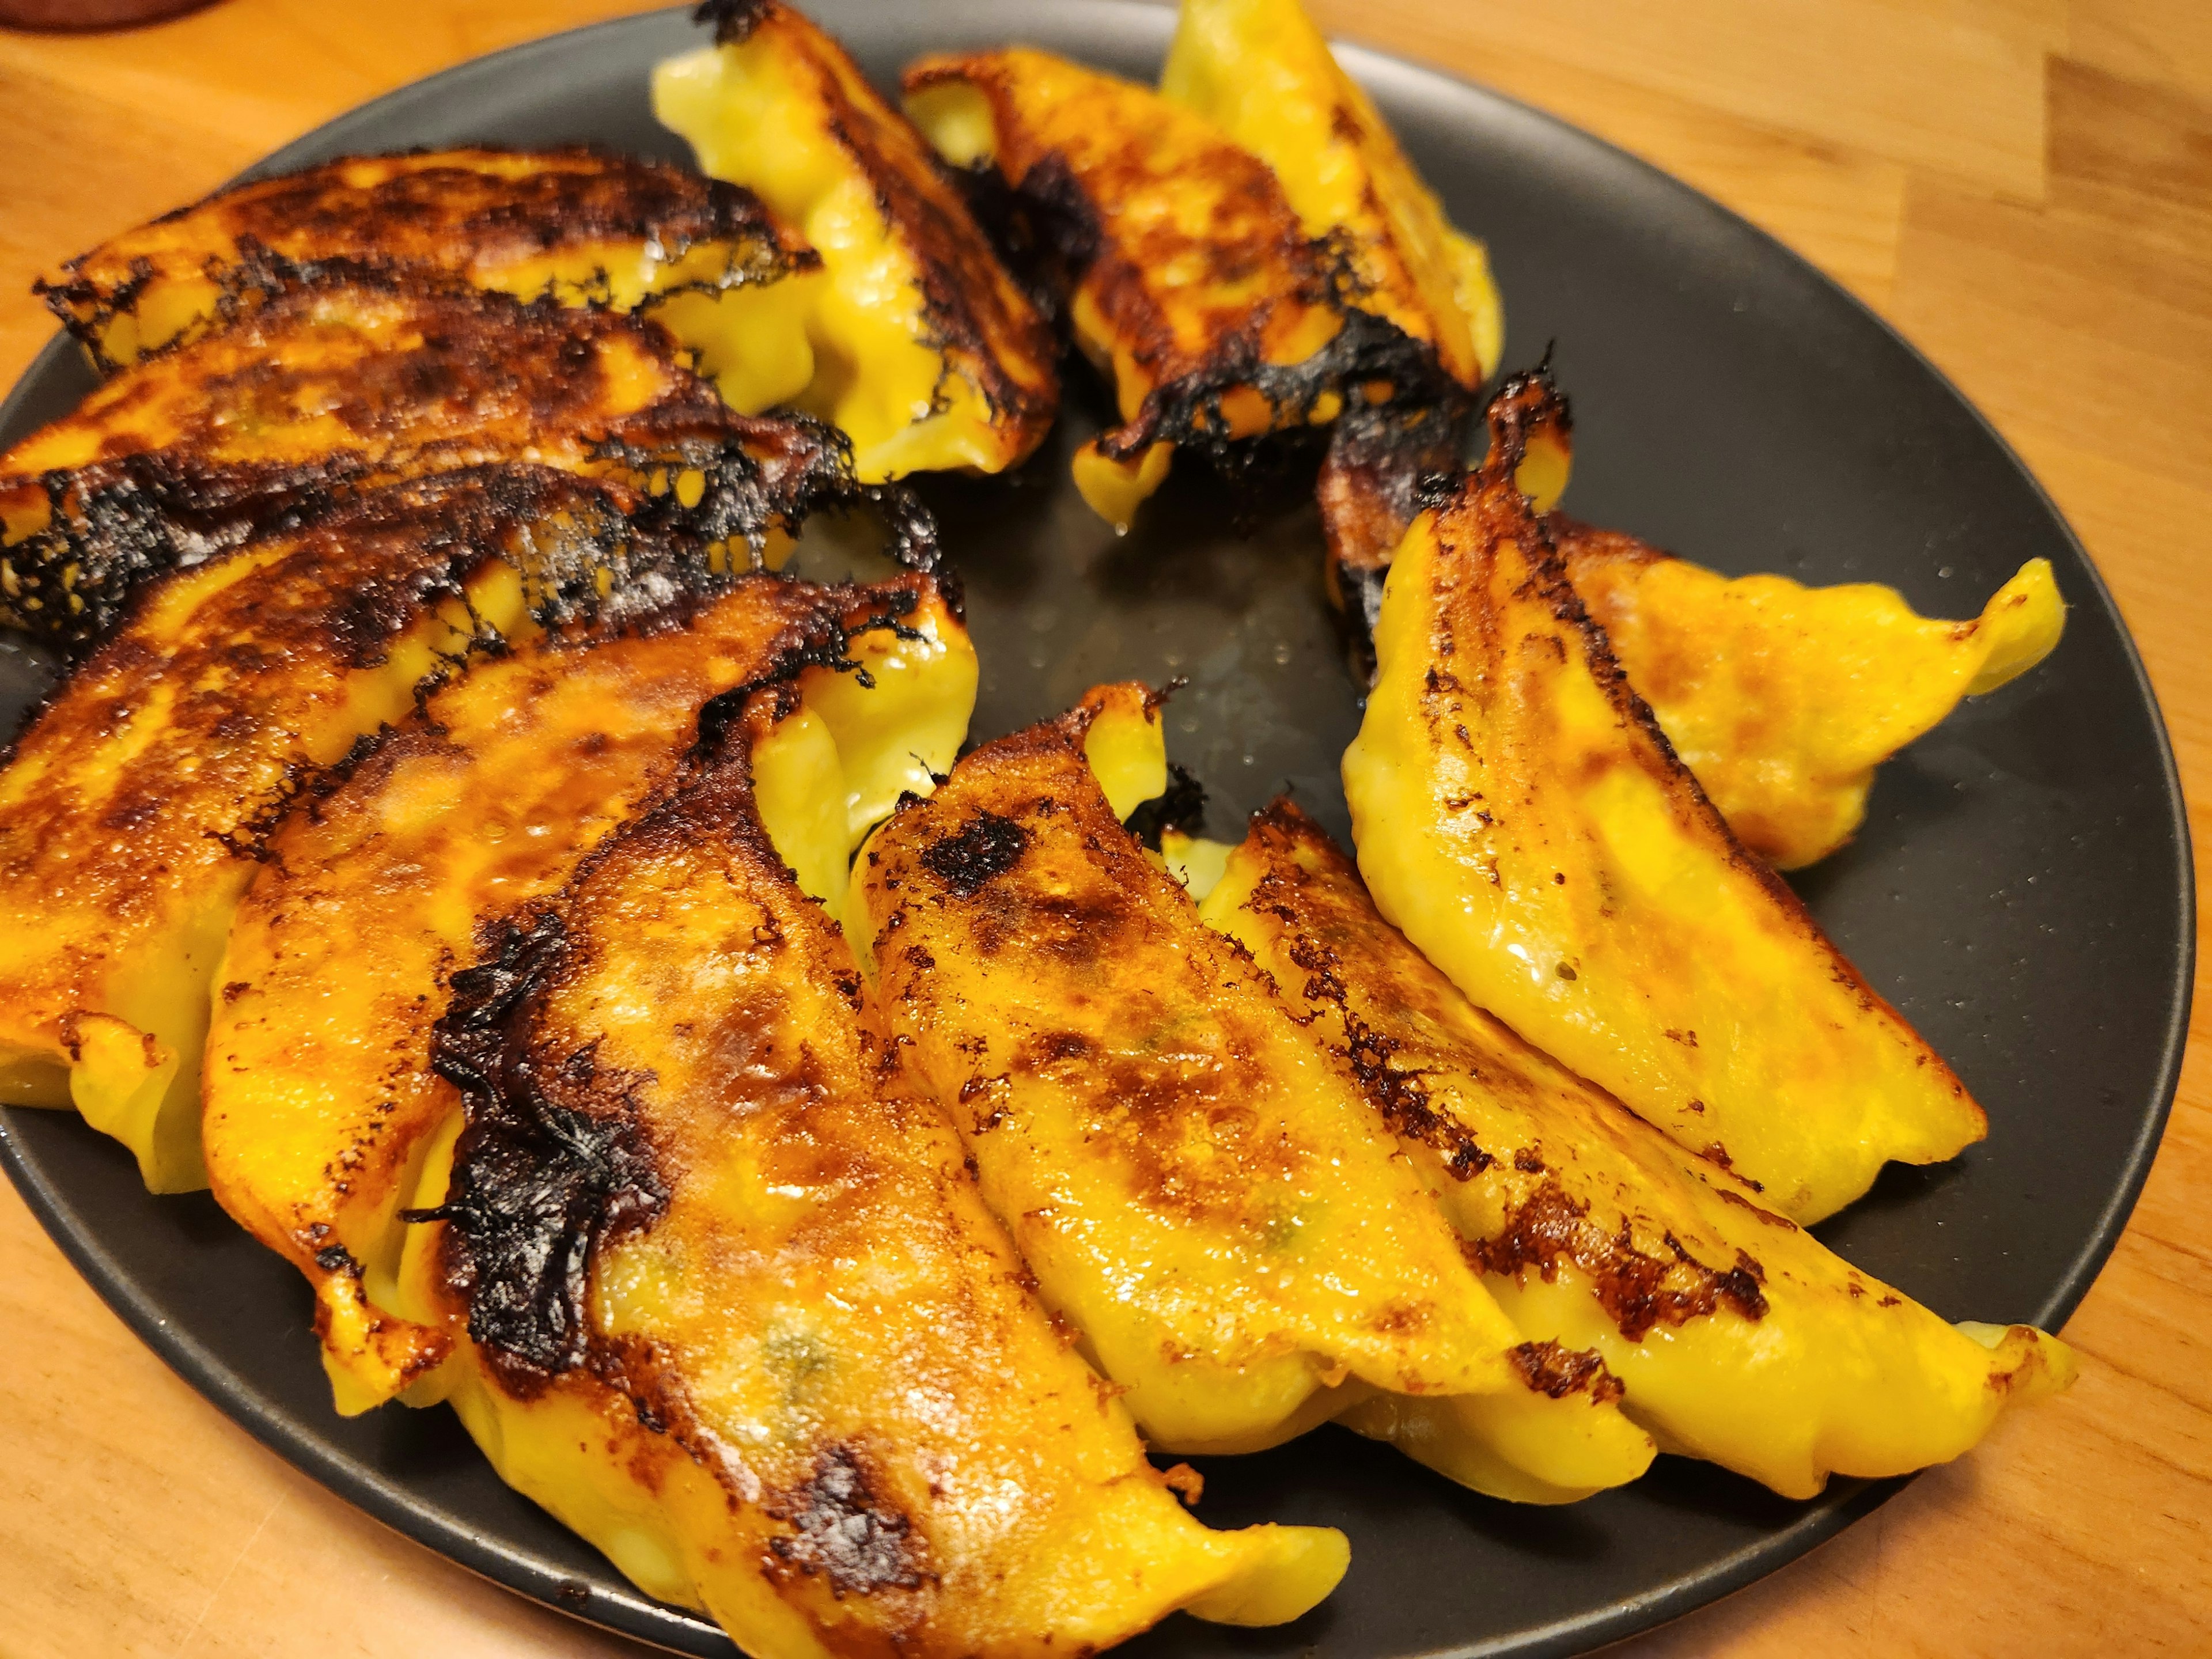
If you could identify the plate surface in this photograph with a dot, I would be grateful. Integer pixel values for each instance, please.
(2021, 889)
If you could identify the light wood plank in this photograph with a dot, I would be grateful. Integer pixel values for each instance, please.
(1944, 88)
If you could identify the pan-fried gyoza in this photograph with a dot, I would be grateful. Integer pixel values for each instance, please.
(580, 227)
(316, 1113)
(927, 353)
(344, 377)
(724, 1297)
(1736, 1335)
(1190, 280)
(1385, 463)
(444, 842)
(1783, 699)
(134, 800)
(1224, 1223)
(1261, 71)
(1520, 816)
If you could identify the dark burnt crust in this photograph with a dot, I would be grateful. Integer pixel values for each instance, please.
(554, 1162)
(1385, 464)
(1545, 1224)
(732, 20)
(1556, 1372)
(119, 521)
(326, 602)
(557, 1162)
(1185, 407)
(1187, 411)
(1182, 809)
(440, 218)
(881, 607)
(1388, 465)
(969, 859)
(1053, 230)
(1637, 1289)
(486, 361)
(810, 627)
(842, 1529)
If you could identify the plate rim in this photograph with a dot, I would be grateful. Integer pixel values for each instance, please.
(640, 1617)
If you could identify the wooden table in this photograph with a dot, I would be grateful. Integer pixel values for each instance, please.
(2023, 186)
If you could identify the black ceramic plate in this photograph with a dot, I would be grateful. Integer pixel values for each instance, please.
(2021, 889)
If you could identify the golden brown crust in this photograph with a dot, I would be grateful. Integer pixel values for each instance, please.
(314, 1126)
(564, 1155)
(1506, 759)
(341, 378)
(477, 214)
(1587, 546)
(1262, 73)
(1191, 279)
(179, 742)
(697, 1202)
(1146, 1115)
(1491, 507)
(1362, 982)
(978, 316)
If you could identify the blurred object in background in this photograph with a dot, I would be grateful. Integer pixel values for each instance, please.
(80, 15)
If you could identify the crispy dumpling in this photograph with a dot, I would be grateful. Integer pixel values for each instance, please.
(1521, 817)
(340, 378)
(1221, 1219)
(317, 1110)
(1737, 1336)
(927, 353)
(724, 1296)
(1261, 71)
(135, 799)
(1167, 1252)
(580, 227)
(1385, 462)
(1783, 699)
(1191, 283)
(1370, 490)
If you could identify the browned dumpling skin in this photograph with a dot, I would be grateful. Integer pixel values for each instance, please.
(1370, 488)
(1261, 71)
(135, 802)
(176, 748)
(1521, 818)
(578, 225)
(1190, 280)
(327, 384)
(1781, 699)
(1735, 1335)
(1198, 1194)
(724, 1298)
(317, 1108)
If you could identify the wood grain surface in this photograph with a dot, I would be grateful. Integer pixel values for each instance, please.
(2023, 186)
